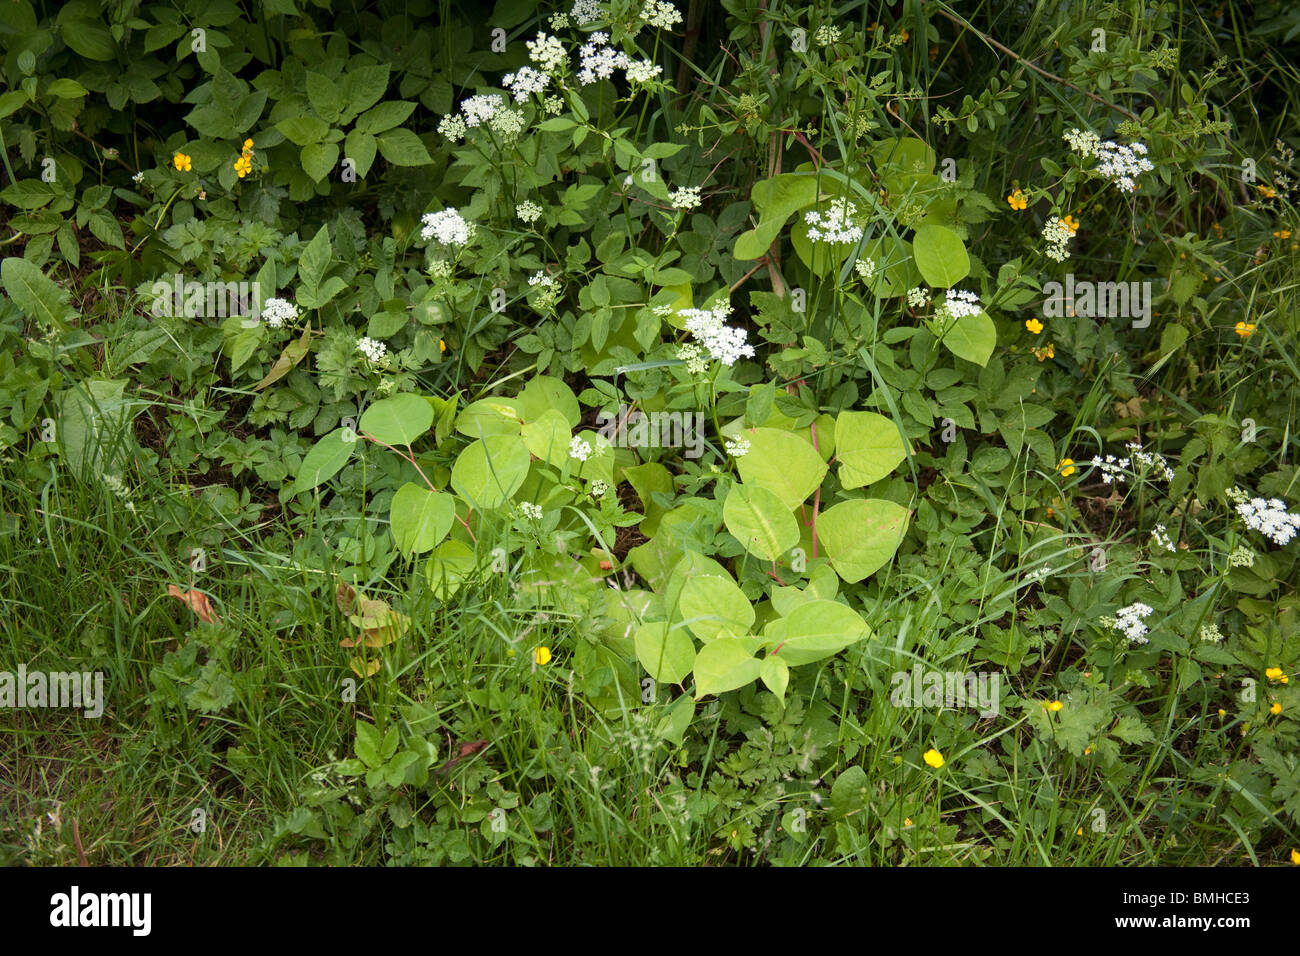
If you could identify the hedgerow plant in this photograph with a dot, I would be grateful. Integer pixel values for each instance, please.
(631, 448)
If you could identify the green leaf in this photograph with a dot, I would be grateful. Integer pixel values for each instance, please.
(324, 95)
(868, 447)
(66, 89)
(368, 744)
(385, 116)
(489, 416)
(303, 130)
(783, 463)
(860, 536)
(972, 337)
(775, 673)
(490, 470)
(818, 629)
(399, 420)
(548, 438)
(37, 295)
(315, 259)
(725, 664)
(325, 459)
(667, 656)
(401, 147)
(760, 521)
(940, 255)
(711, 606)
(360, 148)
(318, 159)
(775, 199)
(544, 392)
(420, 518)
(364, 87)
(451, 564)
(89, 37)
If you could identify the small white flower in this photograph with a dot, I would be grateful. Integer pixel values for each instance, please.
(1270, 518)
(685, 197)
(579, 449)
(528, 211)
(440, 269)
(1128, 620)
(835, 224)
(138, 177)
(598, 61)
(547, 52)
(917, 298)
(585, 11)
(508, 124)
(553, 105)
(559, 21)
(542, 279)
(530, 510)
(1058, 236)
(660, 15)
(960, 303)
(1241, 557)
(1211, 634)
(453, 127)
(737, 447)
(279, 311)
(692, 355)
(643, 71)
(480, 109)
(827, 34)
(866, 268)
(599, 488)
(1162, 539)
(725, 343)
(447, 226)
(372, 349)
(524, 82)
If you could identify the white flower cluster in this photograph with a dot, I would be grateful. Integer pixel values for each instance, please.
(530, 510)
(585, 11)
(960, 303)
(692, 354)
(528, 211)
(724, 343)
(138, 177)
(1120, 164)
(737, 447)
(1129, 621)
(865, 268)
(1161, 537)
(372, 349)
(440, 269)
(279, 311)
(1211, 634)
(1270, 518)
(452, 127)
(834, 225)
(1241, 557)
(599, 60)
(447, 226)
(917, 298)
(547, 52)
(480, 109)
(685, 197)
(827, 34)
(1058, 236)
(579, 449)
(599, 488)
(508, 124)
(643, 71)
(525, 81)
(541, 278)
(1148, 460)
(1112, 468)
(660, 15)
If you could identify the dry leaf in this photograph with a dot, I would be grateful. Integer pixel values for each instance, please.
(198, 603)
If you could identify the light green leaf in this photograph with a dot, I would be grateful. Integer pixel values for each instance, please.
(318, 159)
(775, 673)
(725, 664)
(420, 518)
(325, 459)
(972, 337)
(868, 447)
(33, 292)
(860, 536)
(401, 147)
(775, 199)
(783, 463)
(667, 656)
(711, 606)
(490, 470)
(940, 255)
(760, 521)
(399, 420)
(818, 629)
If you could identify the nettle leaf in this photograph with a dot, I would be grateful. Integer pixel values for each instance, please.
(712, 606)
(324, 96)
(668, 656)
(401, 147)
(318, 159)
(490, 470)
(399, 420)
(775, 199)
(35, 293)
(818, 629)
(972, 337)
(868, 447)
(420, 518)
(364, 87)
(940, 255)
(783, 463)
(860, 536)
(325, 459)
(360, 148)
(385, 116)
(303, 130)
(760, 521)
(726, 664)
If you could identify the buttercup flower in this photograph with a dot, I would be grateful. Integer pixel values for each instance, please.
(1245, 329)
(1066, 467)
(183, 162)
(933, 758)
(243, 166)
(1017, 200)
(1054, 706)
(1276, 675)
(1033, 325)
(1276, 708)
(541, 656)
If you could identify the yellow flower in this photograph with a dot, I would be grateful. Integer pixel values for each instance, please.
(442, 346)
(248, 145)
(1086, 751)
(1066, 467)
(1283, 234)
(933, 758)
(904, 34)
(1054, 706)
(1033, 325)
(541, 656)
(1276, 708)
(182, 162)
(1245, 329)
(1222, 712)
(1079, 832)
(1295, 857)
(907, 821)
(1069, 222)
(1266, 192)
(1017, 200)
(243, 166)
(1046, 352)
(1276, 674)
